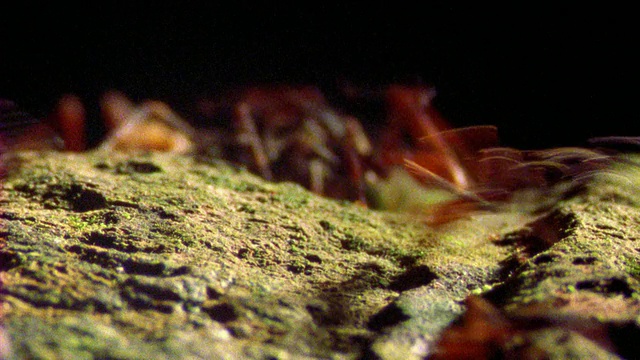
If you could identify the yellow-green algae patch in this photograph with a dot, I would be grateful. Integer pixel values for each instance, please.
(165, 256)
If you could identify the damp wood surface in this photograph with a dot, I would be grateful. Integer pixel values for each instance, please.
(105, 255)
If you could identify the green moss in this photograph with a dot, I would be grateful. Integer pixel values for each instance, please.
(77, 223)
(174, 260)
(632, 266)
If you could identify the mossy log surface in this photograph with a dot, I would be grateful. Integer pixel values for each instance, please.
(166, 256)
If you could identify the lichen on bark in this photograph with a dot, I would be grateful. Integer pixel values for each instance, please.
(167, 256)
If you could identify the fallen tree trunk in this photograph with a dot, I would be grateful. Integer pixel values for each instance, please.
(164, 256)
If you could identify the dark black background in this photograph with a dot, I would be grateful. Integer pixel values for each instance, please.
(546, 75)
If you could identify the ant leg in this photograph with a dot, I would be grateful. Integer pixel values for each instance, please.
(317, 175)
(247, 133)
(116, 109)
(356, 147)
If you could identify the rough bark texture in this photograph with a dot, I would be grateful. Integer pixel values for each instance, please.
(164, 256)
